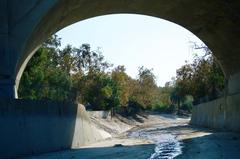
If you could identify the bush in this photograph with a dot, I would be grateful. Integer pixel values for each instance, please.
(187, 104)
(133, 108)
(171, 109)
(159, 107)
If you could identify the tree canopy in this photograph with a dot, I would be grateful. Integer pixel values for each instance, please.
(85, 76)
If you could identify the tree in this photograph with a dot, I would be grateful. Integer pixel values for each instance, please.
(89, 61)
(89, 67)
(122, 79)
(177, 96)
(43, 78)
(101, 92)
(203, 79)
(145, 88)
(66, 60)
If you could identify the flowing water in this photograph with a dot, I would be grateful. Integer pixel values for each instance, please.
(167, 146)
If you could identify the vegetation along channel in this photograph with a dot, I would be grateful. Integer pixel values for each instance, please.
(158, 114)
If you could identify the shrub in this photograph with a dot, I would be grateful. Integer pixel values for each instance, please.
(133, 107)
(171, 109)
(187, 104)
(159, 107)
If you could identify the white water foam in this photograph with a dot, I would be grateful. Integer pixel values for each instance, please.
(167, 146)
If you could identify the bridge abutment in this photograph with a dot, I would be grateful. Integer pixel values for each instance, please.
(8, 89)
(222, 113)
(34, 127)
(234, 84)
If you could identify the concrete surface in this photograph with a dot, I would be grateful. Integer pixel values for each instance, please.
(198, 143)
(216, 145)
(124, 152)
(33, 127)
(233, 84)
(26, 25)
(221, 114)
(100, 114)
(85, 132)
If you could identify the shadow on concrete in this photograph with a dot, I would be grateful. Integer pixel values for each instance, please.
(33, 127)
(169, 116)
(218, 145)
(174, 116)
(118, 152)
(138, 118)
(187, 127)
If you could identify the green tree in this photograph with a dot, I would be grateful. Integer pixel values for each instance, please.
(123, 81)
(89, 61)
(145, 89)
(203, 79)
(177, 97)
(89, 67)
(43, 78)
(101, 92)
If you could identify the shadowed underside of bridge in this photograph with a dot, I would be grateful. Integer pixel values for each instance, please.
(26, 24)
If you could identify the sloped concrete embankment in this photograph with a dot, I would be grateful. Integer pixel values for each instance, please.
(85, 131)
(32, 127)
(222, 113)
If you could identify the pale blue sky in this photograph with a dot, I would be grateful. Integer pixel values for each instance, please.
(133, 41)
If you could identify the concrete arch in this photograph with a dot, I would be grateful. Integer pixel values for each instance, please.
(214, 22)
(26, 24)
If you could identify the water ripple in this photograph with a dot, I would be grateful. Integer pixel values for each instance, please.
(167, 146)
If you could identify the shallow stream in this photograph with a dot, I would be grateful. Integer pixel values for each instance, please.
(167, 146)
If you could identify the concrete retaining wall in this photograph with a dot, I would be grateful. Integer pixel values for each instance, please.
(223, 113)
(33, 127)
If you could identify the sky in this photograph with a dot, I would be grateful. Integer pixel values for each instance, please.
(134, 41)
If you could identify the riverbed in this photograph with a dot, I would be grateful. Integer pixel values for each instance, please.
(167, 146)
(159, 137)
